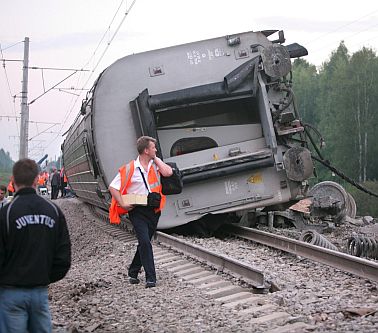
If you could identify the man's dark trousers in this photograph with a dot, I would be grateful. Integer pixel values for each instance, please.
(144, 220)
(54, 191)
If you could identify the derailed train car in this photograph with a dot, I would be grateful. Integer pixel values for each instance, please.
(222, 109)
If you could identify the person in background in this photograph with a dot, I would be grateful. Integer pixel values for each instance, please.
(41, 181)
(35, 250)
(140, 176)
(63, 183)
(46, 175)
(3, 199)
(54, 182)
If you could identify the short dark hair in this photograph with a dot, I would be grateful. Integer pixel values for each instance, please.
(3, 188)
(143, 142)
(24, 172)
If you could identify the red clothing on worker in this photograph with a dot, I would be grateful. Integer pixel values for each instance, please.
(41, 180)
(10, 187)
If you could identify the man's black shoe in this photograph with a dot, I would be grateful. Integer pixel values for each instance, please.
(150, 284)
(133, 280)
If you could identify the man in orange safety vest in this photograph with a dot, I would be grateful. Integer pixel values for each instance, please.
(141, 177)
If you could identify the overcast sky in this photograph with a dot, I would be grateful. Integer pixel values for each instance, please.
(68, 34)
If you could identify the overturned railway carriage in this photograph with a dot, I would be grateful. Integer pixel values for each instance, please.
(222, 109)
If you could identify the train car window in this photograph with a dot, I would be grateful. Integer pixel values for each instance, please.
(220, 113)
(190, 145)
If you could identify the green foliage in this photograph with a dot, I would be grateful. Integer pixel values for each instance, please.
(340, 100)
(6, 165)
(5, 177)
(306, 89)
(6, 162)
(366, 203)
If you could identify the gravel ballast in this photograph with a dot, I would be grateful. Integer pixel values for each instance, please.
(96, 296)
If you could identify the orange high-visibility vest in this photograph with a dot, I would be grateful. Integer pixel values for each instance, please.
(126, 172)
(41, 180)
(10, 187)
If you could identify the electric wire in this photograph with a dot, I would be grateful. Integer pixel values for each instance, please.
(73, 102)
(8, 47)
(348, 37)
(364, 41)
(70, 110)
(9, 88)
(327, 164)
(342, 26)
(104, 35)
(103, 54)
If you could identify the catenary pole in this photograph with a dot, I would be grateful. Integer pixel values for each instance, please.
(24, 130)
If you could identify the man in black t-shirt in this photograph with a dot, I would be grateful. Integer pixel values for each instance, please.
(35, 250)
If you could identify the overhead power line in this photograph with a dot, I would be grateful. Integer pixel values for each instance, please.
(9, 60)
(74, 100)
(52, 88)
(348, 37)
(8, 47)
(105, 33)
(102, 55)
(60, 69)
(111, 40)
(340, 27)
(9, 88)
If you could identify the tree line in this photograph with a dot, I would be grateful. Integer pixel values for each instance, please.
(340, 100)
(6, 165)
(6, 162)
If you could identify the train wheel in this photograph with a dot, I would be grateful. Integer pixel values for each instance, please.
(332, 193)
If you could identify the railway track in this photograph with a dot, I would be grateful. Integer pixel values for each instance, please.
(358, 266)
(245, 294)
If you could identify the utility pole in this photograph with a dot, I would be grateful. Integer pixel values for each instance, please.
(24, 130)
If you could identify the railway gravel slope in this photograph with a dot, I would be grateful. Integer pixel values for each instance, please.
(95, 296)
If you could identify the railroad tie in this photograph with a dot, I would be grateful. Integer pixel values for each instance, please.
(206, 280)
(225, 291)
(195, 276)
(166, 259)
(174, 263)
(127, 238)
(214, 285)
(248, 300)
(235, 297)
(161, 255)
(189, 271)
(184, 266)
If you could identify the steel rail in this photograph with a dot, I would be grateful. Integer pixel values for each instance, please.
(345, 262)
(223, 263)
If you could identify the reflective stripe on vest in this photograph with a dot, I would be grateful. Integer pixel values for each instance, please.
(157, 183)
(126, 173)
